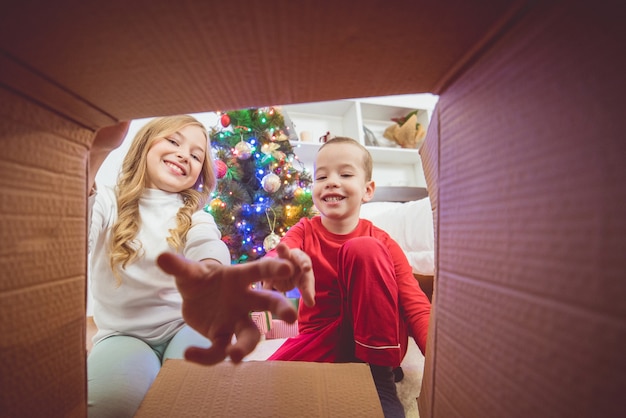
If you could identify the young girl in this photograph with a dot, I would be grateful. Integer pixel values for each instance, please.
(153, 218)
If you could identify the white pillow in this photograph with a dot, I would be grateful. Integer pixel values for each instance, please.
(410, 224)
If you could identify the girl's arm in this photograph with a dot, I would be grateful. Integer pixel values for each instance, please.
(217, 300)
(106, 140)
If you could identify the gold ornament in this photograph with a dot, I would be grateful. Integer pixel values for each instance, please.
(271, 241)
(243, 150)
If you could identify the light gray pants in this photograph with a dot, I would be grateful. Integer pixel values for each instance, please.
(120, 370)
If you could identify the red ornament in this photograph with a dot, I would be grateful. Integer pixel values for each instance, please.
(228, 240)
(220, 168)
(225, 120)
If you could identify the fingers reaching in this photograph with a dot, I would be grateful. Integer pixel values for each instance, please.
(208, 356)
(172, 263)
(282, 250)
(267, 268)
(277, 304)
(248, 337)
(305, 280)
(307, 289)
(184, 271)
(217, 300)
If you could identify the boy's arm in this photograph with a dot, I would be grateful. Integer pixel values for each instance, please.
(290, 249)
(302, 278)
(106, 140)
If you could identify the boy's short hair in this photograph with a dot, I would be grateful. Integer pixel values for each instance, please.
(367, 157)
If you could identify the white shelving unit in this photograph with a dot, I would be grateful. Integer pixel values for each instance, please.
(393, 166)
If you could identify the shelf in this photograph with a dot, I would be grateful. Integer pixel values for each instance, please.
(393, 166)
(336, 107)
(306, 152)
(383, 113)
(425, 101)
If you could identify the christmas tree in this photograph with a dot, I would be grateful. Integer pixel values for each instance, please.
(262, 188)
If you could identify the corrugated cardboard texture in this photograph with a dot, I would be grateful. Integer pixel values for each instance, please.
(151, 58)
(429, 153)
(262, 389)
(529, 305)
(42, 261)
(68, 68)
(530, 312)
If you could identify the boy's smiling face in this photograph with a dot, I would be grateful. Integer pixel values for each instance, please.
(340, 186)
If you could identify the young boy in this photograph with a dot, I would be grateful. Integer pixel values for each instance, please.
(367, 301)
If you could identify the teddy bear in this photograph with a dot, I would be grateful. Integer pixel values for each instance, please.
(406, 132)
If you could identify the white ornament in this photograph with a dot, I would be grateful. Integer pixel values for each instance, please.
(244, 150)
(271, 183)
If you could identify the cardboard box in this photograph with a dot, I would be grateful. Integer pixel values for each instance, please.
(530, 312)
(262, 389)
(526, 164)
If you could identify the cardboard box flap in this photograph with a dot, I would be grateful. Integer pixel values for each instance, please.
(262, 389)
(156, 58)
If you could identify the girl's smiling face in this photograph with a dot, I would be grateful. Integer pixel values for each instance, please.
(340, 186)
(175, 162)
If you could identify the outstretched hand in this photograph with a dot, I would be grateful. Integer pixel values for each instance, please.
(217, 300)
(302, 277)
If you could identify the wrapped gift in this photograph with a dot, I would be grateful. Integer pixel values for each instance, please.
(281, 329)
(263, 321)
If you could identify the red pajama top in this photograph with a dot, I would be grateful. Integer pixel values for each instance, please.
(323, 246)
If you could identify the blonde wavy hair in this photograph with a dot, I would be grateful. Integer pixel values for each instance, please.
(131, 183)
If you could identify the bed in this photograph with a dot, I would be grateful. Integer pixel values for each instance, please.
(405, 213)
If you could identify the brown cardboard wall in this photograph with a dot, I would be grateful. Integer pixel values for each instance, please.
(262, 389)
(529, 308)
(68, 68)
(529, 311)
(429, 153)
(151, 58)
(42, 262)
